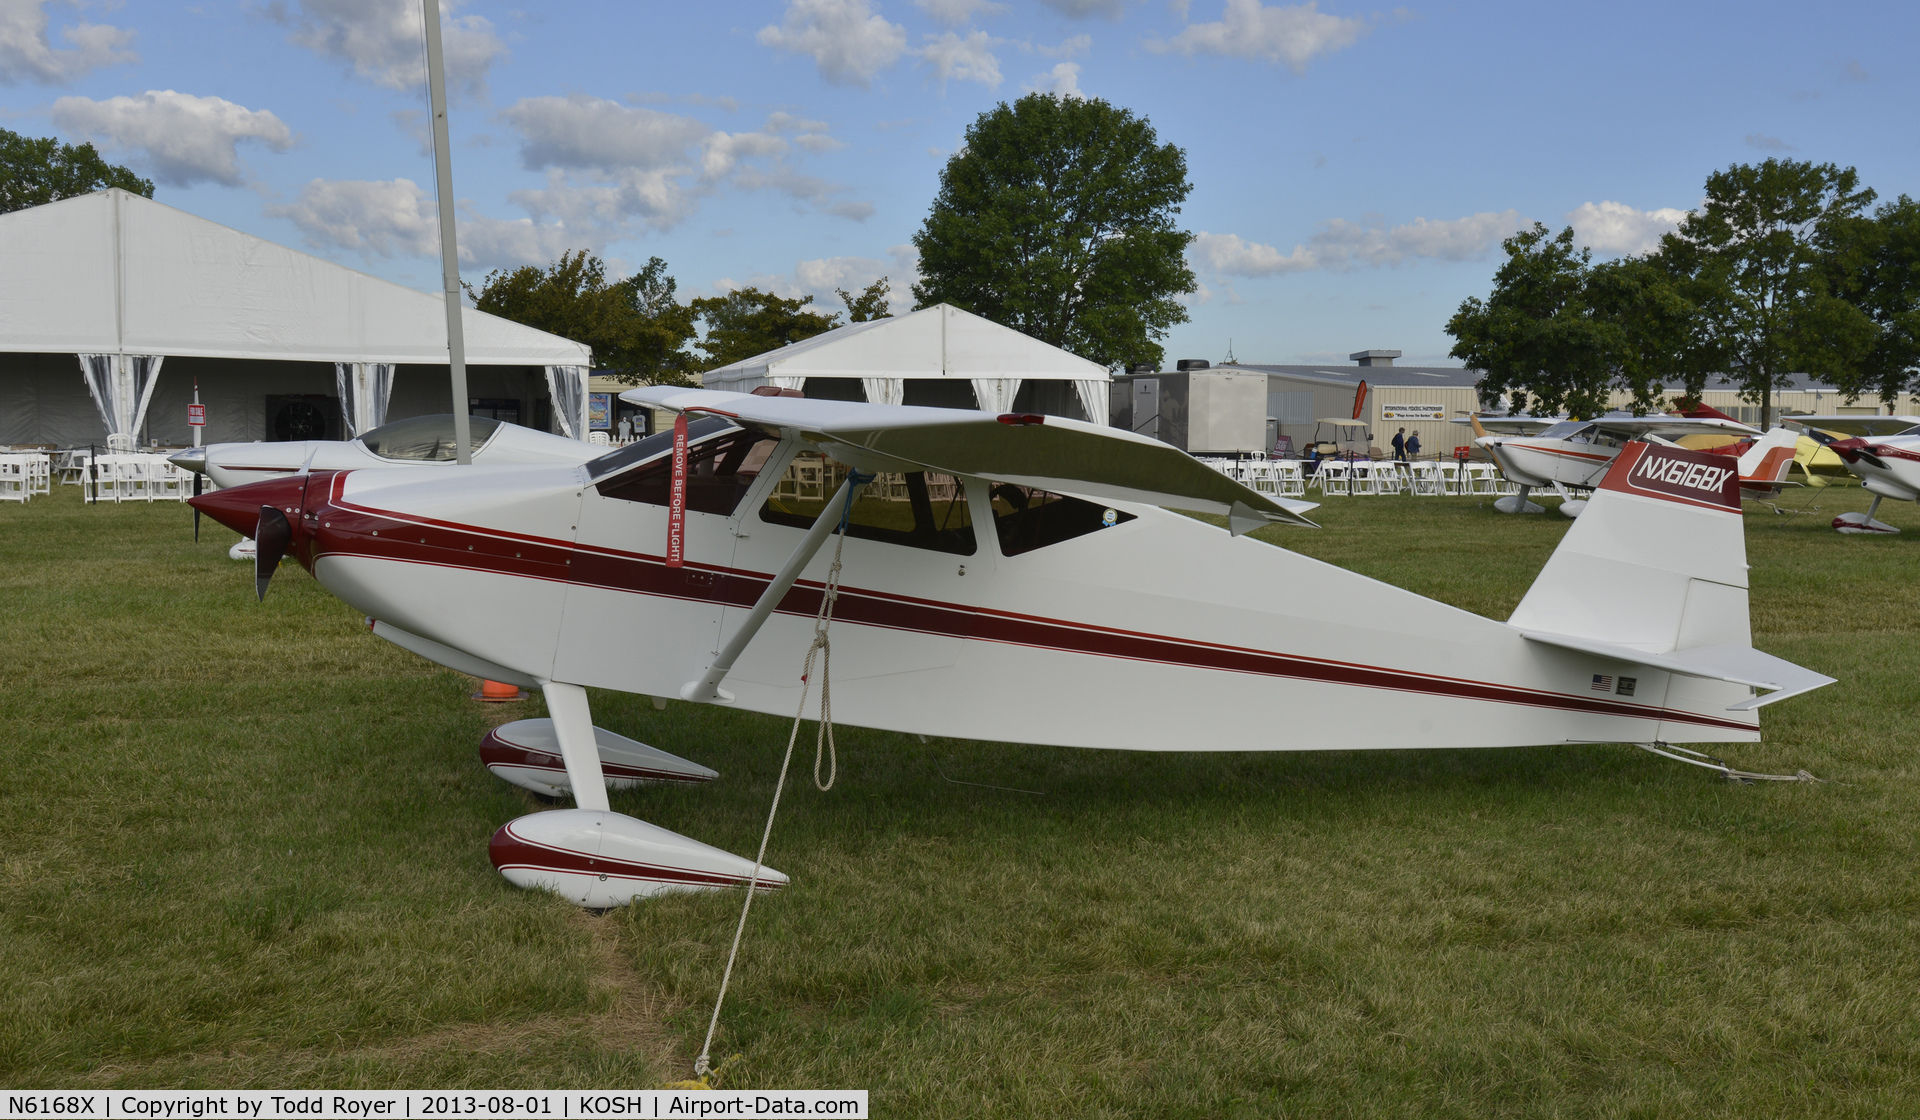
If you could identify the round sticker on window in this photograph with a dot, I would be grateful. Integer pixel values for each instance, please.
(1108, 518)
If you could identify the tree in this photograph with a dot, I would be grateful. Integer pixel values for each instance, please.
(38, 171)
(1656, 329)
(748, 321)
(1756, 262)
(635, 328)
(1877, 269)
(1537, 335)
(870, 304)
(1057, 219)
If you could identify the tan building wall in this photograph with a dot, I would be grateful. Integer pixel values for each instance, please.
(1426, 411)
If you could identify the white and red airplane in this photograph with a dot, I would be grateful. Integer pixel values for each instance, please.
(1882, 451)
(1576, 454)
(1004, 577)
(415, 441)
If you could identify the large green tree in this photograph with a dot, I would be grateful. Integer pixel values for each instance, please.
(1056, 218)
(1877, 269)
(35, 171)
(748, 321)
(637, 330)
(1755, 260)
(1537, 335)
(869, 304)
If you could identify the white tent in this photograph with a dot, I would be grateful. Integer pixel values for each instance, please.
(125, 283)
(892, 361)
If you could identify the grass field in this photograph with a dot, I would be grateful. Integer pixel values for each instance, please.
(245, 845)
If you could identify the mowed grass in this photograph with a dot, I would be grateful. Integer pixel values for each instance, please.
(245, 845)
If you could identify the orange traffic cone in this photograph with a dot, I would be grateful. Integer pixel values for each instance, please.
(493, 692)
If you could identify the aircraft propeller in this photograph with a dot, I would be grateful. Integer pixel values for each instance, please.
(271, 540)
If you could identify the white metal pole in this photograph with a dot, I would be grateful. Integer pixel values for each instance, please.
(449, 251)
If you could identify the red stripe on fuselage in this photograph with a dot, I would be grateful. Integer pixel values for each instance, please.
(420, 540)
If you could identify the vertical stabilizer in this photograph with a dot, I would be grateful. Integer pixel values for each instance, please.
(1658, 560)
(1765, 464)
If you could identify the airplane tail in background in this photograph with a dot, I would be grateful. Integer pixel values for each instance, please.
(1654, 573)
(1764, 465)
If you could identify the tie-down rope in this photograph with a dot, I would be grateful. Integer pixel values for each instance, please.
(822, 746)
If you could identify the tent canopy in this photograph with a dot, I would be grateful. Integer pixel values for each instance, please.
(112, 272)
(938, 341)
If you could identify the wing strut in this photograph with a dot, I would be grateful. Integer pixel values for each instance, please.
(707, 689)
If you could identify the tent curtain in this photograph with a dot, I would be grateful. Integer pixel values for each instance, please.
(995, 394)
(884, 390)
(121, 386)
(568, 387)
(1093, 398)
(365, 388)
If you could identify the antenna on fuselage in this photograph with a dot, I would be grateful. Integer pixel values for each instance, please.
(449, 250)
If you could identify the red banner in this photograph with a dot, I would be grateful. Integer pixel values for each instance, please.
(197, 415)
(677, 497)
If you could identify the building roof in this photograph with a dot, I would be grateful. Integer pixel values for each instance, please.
(938, 341)
(112, 272)
(1376, 377)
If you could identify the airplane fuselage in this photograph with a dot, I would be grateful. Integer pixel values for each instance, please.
(1153, 631)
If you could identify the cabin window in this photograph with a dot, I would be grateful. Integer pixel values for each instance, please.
(425, 438)
(719, 472)
(919, 509)
(1026, 518)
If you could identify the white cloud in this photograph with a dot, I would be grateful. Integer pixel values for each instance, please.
(953, 13)
(27, 53)
(1063, 79)
(1248, 29)
(822, 277)
(1340, 245)
(186, 139)
(1081, 9)
(396, 218)
(1614, 228)
(381, 40)
(969, 60)
(1070, 48)
(609, 164)
(1226, 254)
(846, 39)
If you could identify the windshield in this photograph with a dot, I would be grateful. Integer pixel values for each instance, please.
(659, 443)
(426, 438)
(1567, 429)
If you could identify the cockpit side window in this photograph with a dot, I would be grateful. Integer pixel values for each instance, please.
(426, 439)
(719, 473)
(919, 509)
(1026, 518)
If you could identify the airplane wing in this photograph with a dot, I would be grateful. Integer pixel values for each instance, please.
(1670, 427)
(1856, 425)
(1510, 425)
(1048, 452)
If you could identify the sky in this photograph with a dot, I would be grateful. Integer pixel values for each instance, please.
(1353, 170)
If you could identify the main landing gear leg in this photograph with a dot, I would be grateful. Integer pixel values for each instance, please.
(1517, 503)
(573, 726)
(1864, 522)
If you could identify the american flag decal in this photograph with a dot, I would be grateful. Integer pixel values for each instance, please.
(1602, 684)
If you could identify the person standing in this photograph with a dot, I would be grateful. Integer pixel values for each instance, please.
(1400, 445)
(1413, 446)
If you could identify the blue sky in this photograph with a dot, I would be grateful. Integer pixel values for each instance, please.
(1353, 169)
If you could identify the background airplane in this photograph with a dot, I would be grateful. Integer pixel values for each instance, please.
(1002, 577)
(415, 441)
(1882, 451)
(1576, 454)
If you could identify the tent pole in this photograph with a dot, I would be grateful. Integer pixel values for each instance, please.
(449, 251)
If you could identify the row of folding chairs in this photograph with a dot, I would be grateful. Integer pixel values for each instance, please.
(127, 477)
(1425, 479)
(1281, 477)
(24, 474)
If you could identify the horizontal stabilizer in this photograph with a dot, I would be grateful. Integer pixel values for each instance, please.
(1047, 452)
(1732, 662)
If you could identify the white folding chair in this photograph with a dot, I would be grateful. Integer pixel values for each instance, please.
(599, 439)
(72, 468)
(1289, 482)
(39, 474)
(1426, 480)
(14, 486)
(1366, 480)
(1333, 477)
(1452, 478)
(1481, 479)
(166, 482)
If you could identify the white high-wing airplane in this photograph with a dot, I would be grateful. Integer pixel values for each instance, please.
(1005, 577)
(415, 441)
(1882, 451)
(1576, 454)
